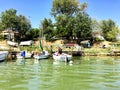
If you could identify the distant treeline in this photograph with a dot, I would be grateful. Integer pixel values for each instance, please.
(71, 22)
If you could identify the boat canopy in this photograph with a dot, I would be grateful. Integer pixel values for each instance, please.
(26, 43)
(12, 43)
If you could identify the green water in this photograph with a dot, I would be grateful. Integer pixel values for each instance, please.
(86, 73)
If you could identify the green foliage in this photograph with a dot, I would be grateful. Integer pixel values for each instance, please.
(32, 34)
(109, 30)
(64, 26)
(29, 48)
(64, 12)
(1, 37)
(96, 26)
(111, 36)
(83, 24)
(97, 39)
(23, 26)
(64, 7)
(47, 29)
(71, 19)
(10, 20)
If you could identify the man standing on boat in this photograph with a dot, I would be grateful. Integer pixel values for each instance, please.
(59, 50)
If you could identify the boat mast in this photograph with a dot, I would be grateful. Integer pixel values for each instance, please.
(41, 38)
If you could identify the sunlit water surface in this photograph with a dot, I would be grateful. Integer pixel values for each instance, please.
(86, 73)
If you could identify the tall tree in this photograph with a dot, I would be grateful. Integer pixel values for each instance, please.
(83, 29)
(9, 19)
(109, 29)
(95, 25)
(63, 12)
(68, 15)
(32, 34)
(48, 29)
(23, 25)
(64, 26)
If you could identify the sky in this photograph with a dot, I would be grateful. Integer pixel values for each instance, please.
(37, 10)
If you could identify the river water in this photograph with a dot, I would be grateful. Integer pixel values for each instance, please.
(86, 73)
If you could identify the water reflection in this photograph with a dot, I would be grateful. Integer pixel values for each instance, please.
(86, 73)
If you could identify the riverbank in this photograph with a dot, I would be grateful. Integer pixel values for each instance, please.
(95, 50)
(93, 53)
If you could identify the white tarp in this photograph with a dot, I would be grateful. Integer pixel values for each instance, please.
(26, 43)
(12, 43)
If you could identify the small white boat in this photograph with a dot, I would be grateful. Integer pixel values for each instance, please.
(62, 57)
(3, 55)
(27, 56)
(44, 55)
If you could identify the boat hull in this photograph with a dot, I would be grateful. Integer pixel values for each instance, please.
(41, 57)
(63, 57)
(27, 56)
(45, 55)
(3, 55)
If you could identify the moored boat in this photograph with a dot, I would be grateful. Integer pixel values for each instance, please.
(62, 57)
(3, 55)
(24, 55)
(43, 55)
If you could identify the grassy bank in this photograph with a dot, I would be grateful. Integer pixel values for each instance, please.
(95, 50)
